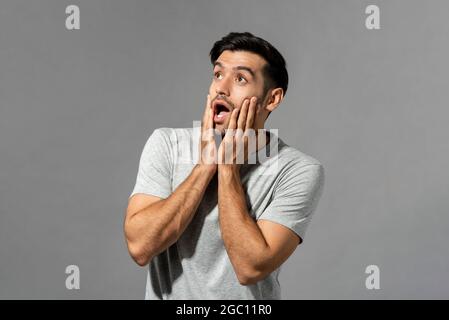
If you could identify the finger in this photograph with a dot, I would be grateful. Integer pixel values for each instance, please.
(251, 113)
(206, 112)
(242, 115)
(208, 120)
(210, 113)
(233, 121)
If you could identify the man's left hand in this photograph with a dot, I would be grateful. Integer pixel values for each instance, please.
(241, 133)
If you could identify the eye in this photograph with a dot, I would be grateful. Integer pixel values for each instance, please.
(241, 79)
(217, 75)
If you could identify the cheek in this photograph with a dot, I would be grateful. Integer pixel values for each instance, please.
(241, 94)
(239, 97)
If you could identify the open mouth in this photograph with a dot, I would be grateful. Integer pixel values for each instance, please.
(221, 111)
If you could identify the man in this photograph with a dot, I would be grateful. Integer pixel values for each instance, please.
(216, 228)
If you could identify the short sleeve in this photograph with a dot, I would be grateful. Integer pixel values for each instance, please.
(155, 166)
(295, 197)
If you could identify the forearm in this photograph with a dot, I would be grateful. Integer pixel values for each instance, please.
(156, 227)
(244, 242)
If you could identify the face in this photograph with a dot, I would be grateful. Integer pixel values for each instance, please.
(237, 75)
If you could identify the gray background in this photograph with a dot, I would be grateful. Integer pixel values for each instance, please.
(76, 108)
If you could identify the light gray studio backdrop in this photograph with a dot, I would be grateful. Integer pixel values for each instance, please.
(76, 108)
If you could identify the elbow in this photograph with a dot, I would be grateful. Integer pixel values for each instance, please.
(140, 256)
(142, 261)
(250, 276)
(245, 281)
(138, 252)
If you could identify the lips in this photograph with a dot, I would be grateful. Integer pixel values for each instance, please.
(221, 110)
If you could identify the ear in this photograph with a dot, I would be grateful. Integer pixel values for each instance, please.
(275, 97)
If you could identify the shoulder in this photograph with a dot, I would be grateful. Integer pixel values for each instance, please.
(170, 135)
(296, 163)
(173, 134)
(170, 140)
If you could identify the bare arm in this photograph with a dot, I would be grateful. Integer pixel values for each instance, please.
(153, 224)
(255, 249)
(154, 228)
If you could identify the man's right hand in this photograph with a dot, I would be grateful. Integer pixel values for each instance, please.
(207, 146)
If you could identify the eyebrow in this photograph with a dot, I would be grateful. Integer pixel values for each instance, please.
(217, 63)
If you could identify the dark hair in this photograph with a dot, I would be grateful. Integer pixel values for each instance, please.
(275, 71)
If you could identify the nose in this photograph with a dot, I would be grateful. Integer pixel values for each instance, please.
(222, 88)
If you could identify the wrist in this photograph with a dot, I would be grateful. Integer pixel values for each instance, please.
(229, 170)
(206, 169)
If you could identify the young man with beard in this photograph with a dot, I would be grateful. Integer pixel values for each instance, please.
(218, 228)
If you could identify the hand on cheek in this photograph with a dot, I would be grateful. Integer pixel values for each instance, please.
(233, 149)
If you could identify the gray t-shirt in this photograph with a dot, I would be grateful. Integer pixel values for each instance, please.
(284, 188)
